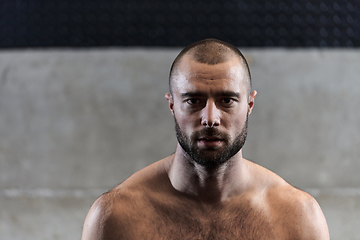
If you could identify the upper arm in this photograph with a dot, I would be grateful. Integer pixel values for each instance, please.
(308, 220)
(298, 214)
(105, 219)
(94, 224)
(314, 224)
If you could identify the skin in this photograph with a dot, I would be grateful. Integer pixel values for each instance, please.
(177, 198)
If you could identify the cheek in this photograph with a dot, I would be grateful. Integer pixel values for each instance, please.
(187, 123)
(237, 121)
(185, 119)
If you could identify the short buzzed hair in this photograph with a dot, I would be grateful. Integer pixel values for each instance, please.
(210, 51)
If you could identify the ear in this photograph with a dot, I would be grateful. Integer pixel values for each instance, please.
(170, 101)
(251, 101)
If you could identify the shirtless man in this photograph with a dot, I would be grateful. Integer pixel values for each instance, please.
(206, 189)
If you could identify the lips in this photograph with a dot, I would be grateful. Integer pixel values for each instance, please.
(210, 142)
(211, 139)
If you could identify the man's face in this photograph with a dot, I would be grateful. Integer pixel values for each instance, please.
(210, 105)
(210, 156)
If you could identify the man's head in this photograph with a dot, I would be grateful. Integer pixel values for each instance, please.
(210, 100)
(210, 51)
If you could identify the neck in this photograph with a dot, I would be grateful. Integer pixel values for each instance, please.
(207, 184)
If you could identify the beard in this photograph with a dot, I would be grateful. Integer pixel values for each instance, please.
(210, 157)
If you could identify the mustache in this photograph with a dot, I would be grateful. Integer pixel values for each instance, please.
(210, 132)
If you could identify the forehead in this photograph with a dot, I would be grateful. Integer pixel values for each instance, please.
(195, 76)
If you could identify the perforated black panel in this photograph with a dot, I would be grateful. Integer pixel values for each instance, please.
(45, 23)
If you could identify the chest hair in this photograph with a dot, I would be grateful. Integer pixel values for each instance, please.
(243, 221)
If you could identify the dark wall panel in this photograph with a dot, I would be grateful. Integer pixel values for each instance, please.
(80, 23)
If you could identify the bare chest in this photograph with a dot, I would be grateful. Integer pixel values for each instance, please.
(164, 222)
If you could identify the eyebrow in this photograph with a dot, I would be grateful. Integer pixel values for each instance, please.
(223, 93)
(229, 94)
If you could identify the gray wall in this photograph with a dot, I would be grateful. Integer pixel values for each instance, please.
(75, 123)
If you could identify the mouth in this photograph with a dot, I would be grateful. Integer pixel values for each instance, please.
(211, 142)
(210, 139)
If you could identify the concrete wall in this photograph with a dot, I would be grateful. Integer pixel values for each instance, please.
(75, 123)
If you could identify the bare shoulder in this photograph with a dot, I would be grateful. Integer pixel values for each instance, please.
(98, 218)
(108, 218)
(297, 211)
(104, 219)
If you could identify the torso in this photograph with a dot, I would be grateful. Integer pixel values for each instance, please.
(174, 221)
(148, 211)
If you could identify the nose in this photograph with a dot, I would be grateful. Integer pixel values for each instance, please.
(210, 115)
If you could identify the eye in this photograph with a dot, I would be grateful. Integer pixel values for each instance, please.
(193, 101)
(228, 100)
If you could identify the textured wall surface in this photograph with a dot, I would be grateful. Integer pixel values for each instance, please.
(75, 123)
(43, 23)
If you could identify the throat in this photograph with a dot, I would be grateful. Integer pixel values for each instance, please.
(207, 184)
